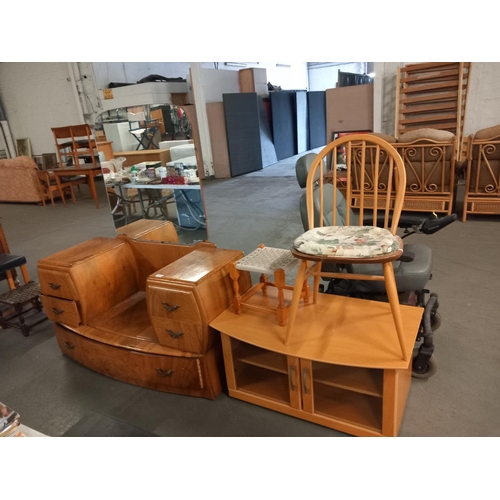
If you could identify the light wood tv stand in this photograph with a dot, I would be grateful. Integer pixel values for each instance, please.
(342, 369)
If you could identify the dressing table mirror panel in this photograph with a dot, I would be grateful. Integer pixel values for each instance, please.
(150, 161)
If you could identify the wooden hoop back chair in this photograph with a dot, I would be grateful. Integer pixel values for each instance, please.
(376, 204)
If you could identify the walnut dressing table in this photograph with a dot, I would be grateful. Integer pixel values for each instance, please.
(342, 369)
(138, 310)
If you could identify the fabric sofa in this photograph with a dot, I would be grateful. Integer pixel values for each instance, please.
(19, 181)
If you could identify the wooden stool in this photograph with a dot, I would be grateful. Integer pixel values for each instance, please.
(266, 261)
(18, 295)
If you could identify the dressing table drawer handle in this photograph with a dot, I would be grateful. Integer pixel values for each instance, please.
(170, 308)
(165, 374)
(68, 344)
(54, 286)
(174, 335)
(57, 311)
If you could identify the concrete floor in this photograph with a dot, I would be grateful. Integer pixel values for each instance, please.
(52, 392)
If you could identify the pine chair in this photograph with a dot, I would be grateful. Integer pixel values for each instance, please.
(49, 186)
(64, 144)
(344, 240)
(83, 144)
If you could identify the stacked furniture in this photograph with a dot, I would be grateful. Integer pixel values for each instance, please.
(482, 189)
(76, 142)
(432, 95)
(340, 362)
(138, 310)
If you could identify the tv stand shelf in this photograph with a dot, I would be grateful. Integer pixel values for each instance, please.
(343, 368)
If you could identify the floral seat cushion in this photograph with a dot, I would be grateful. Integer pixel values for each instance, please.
(347, 241)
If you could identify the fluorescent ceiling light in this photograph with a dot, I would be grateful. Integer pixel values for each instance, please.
(279, 65)
(240, 65)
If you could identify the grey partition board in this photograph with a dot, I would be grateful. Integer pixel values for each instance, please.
(243, 132)
(316, 109)
(284, 119)
(301, 117)
(266, 140)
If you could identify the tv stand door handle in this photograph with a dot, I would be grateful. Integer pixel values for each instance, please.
(69, 345)
(54, 286)
(170, 308)
(174, 335)
(57, 311)
(304, 380)
(291, 374)
(165, 374)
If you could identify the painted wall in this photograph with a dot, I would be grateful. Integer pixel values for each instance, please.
(293, 78)
(36, 97)
(323, 78)
(217, 82)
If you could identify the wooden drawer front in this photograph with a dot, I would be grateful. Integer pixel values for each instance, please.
(57, 284)
(61, 311)
(177, 305)
(147, 370)
(179, 335)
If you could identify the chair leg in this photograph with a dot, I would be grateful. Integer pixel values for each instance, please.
(61, 190)
(72, 193)
(235, 274)
(24, 271)
(52, 198)
(317, 269)
(10, 279)
(297, 292)
(279, 282)
(392, 294)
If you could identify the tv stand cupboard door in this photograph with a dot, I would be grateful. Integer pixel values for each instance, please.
(356, 400)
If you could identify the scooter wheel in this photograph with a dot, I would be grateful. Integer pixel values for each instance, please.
(436, 321)
(429, 371)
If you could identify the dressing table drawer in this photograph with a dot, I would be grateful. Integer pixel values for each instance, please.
(57, 284)
(179, 335)
(177, 305)
(61, 311)
(163, 373)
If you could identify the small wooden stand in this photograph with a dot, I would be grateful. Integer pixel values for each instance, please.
(267, 261)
